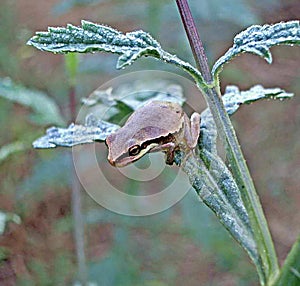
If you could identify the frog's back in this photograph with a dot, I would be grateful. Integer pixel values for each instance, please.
(154, 120)
(160, 114)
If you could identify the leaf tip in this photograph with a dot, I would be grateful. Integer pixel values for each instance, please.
(268, 57)
(29, 42)
(120, 65)
(85, 23)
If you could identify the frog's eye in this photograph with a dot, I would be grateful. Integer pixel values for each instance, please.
(134, 150)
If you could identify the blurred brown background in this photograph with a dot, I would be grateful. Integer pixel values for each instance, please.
(184, 245)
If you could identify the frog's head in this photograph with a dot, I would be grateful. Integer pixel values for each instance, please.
(123, 149)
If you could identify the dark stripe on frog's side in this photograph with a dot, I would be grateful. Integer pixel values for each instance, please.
(151, 133)
(159, 141)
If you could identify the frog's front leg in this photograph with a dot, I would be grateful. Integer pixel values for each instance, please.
(168, 149)
(192, 129)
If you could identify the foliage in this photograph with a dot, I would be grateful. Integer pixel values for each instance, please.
(214, 182)
(111, 105)
(97, 130)
(290, 274)
(227, 190)
(45, 111)
(11, 148)
(92, 37)
(258, 40)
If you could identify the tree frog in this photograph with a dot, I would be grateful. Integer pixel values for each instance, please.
(156, 126)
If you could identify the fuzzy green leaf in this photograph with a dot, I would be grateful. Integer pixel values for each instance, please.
(216, 187)
(45, 110)
(258, 40)
(233, 99)
(92, 37)
(212, 179)
(93, 130)
(109, 105)
(135, 95)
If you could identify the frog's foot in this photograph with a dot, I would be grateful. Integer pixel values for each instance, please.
(170, 157)
(192, 130)
(168, 149)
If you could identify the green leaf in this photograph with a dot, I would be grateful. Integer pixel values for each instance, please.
(45, 110)
(93, 130)
(217, 188)
(232, 100)
(258, 40)
(112, 106)
(110, 102)
(92, 37)
(213, 180)
(290, 272)
(14, 147)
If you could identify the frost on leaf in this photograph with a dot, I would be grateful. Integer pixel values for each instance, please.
(212, 178)
(111, 105)
(233, 99)
(92, 37)
(135, 95)
(93, 130)
(259, 39)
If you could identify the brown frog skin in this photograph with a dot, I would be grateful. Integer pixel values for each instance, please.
(156, 126)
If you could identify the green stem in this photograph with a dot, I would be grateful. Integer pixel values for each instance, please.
(290, 271)
(268, 269)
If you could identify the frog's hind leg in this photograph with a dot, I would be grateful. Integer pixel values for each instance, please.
(192, 129)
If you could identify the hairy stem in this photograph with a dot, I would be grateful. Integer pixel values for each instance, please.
(264, 242)
(269, 269)
(194, 39)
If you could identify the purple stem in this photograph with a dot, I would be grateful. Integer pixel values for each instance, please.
(194, 39)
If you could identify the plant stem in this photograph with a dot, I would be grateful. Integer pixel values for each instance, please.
(71, 66)
(194, 39)
(268, 267)
(78, 229)
(72, 103)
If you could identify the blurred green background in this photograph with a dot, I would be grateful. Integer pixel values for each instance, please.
(184, 245)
